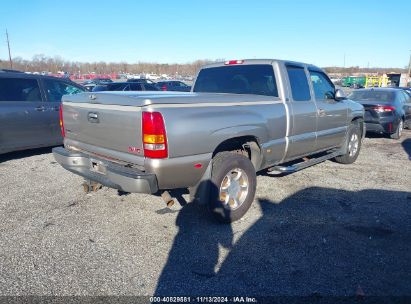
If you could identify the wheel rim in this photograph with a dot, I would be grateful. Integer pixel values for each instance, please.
(353, 144)
(234, 189)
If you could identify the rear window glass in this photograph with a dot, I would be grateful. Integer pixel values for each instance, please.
(19, 89)
(256, 79)
(299, 83)
(372, 95)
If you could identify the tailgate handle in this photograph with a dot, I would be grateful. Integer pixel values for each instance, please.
(93, 117)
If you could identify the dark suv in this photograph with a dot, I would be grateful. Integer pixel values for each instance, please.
(29, 109)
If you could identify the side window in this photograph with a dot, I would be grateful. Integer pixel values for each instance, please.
(406, 97)
(323, 88)
(299, 84)
(56, 89)
(19, 89)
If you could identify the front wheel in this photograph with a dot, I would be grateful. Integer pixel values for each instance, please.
(233, 186)
(352, 146)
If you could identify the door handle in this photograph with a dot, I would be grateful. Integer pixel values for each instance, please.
(40, 109)
(93, 117)
(321, 112)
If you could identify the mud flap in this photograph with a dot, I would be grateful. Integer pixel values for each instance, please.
(200, 193)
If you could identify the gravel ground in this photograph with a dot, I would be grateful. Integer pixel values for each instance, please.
(327, 230)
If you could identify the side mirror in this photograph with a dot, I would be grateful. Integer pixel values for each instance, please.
(339, 95)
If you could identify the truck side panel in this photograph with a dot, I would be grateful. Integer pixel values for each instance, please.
(199, 129)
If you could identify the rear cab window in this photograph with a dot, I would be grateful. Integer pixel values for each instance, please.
(19, 89)
(299, 83)
(256, 79)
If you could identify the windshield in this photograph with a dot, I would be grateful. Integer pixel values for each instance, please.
(372, 95)
(238, 79)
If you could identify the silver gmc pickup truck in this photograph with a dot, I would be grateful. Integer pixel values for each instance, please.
(241, 117)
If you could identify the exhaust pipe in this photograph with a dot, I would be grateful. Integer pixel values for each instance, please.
(167, 198)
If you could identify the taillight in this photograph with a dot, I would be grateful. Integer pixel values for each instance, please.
(63, 133)
(234, 62)
(164, 88)
(382, 109)
(154, 135)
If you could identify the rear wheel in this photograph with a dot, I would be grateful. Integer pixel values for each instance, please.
(233, 186)
(398, 132)
(353, 145)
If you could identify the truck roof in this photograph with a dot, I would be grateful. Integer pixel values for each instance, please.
(260, 61)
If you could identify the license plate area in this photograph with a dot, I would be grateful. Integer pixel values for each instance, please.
(98, 166)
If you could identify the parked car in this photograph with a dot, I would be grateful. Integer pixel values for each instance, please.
(91, 83)
(141, 80)
(29, 110)
(387, 110)
(173, 85)
(242, 117)
(125, 86)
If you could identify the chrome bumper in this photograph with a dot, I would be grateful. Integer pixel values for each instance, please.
(111, 174)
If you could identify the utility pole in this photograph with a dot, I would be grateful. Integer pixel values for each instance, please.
(8, 46)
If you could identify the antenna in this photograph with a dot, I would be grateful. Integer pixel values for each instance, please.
(8, 46)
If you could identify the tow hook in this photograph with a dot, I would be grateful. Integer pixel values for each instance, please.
(90, 186)
(167, 198)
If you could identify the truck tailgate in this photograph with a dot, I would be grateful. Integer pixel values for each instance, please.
(104, 127)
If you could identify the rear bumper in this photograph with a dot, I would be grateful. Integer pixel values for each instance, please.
(115, 176)
(375, 128)
(383, 127)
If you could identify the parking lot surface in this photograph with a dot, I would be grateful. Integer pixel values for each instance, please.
(330, 229)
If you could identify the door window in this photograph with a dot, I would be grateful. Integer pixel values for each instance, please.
(323, 88)
(56, 89)
(298, 82)
(19, 89)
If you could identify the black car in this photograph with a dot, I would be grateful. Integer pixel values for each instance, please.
(173, 85)
(387, 110)
(125, 86)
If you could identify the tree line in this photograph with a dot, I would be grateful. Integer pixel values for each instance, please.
(40, 63)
